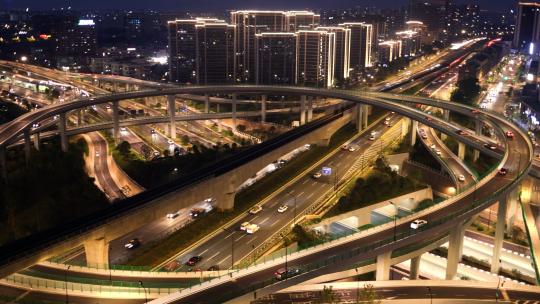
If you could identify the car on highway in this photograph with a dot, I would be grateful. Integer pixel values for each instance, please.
(36, 125)
(194, 260)
(475, 111)
(317, 175)
(490, 146)
(352, 149)
(213, 268)
(433, 147)
(132, 244)
(282, 208)
(197, 212)
(255, 209)
(153, 131)
(97, 153)
(418, 223)
(428, 118)
(461, 132)
(173, 215)
(438, 152)
(461, 178)
(509, 134)
(503, 172)
(244, 225)
(123, 129)
(345, 147)
(251, 229)
(284, 273)
(170, 142)
(372, 137)
(386, 122)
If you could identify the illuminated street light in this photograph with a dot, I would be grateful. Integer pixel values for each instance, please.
(24, 58)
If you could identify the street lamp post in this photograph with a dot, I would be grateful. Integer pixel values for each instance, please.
(430, 295)
(144, 289)
(395, 219)
(65, 282)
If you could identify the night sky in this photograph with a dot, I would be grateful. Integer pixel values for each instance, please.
(213, 5)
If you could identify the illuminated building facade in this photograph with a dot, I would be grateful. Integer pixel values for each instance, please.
(315, 58)
(275, 58)
(201, 51)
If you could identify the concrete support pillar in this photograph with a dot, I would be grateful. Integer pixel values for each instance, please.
(365, 113)
(128, 88)
(461, 150)
(3, 162)
(499, 235)
(359, 117)
(414, 128)
(263, 108)
(446, 115)
(116, 121)
(415, 268)
(302, 109)
(206, 103)
(27, 145)
(172, 112)
(79, 117)
(382, 272)
(62, 129)
(234, 112)
(478, 127)
(476, 154)
(217, 107)
(97, 253)
(37, 142)
(115, 87)
(455, 250)
(513, 209)
(310, 109)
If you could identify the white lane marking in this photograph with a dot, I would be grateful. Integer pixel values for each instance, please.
(229, 235)
(307, 180)
(252, 239)
(213, 256)
(224, 259)
(204, 251)
(255, 217)
(263, 221)
(238, 239)
(274, 223)
(301, 193)
(310, 195)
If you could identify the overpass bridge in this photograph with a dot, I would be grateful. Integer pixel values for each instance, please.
(23, 254)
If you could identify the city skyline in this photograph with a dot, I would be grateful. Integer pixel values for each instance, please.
(212, 5)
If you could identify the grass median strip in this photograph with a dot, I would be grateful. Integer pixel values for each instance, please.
(244, 200)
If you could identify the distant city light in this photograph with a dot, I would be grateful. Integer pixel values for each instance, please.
(159, 60)
(86, 22)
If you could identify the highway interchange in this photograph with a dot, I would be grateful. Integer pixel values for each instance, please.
(266, 217)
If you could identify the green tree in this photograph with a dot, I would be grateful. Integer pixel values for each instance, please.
(146, 151)
(185, 139)
(369, 295)
(241, 128)
(124, 147)
(328, 296)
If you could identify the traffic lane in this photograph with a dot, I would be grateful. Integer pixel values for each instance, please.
(101, 167)
(306, 189)
(243, 283)
(455, 166)
(147, 235)
(409, 292)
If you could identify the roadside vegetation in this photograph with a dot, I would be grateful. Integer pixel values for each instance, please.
(382, 183)
(51, 189)
(9, 111)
